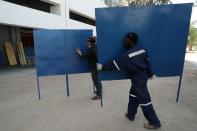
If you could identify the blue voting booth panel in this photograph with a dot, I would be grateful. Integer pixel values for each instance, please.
(50, 52)
(55, 51)
(76, 39)
(162, 31)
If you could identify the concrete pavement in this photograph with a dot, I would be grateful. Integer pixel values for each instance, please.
(20, 110)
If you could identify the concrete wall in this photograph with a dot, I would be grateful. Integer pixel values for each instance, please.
(21, 16)
(26, 17)
(85, 8)
(4, 36)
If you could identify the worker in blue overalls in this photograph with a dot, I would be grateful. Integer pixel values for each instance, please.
(91, 56)
(135, 61)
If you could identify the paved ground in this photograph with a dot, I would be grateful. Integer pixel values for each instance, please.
(20, 109)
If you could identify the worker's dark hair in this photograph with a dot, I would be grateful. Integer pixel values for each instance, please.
(133, 37)
(92, 40)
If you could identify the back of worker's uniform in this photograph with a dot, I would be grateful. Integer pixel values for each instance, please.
(136, 63)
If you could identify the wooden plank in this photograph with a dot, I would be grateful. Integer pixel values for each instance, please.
(21, 53)
(10, 53)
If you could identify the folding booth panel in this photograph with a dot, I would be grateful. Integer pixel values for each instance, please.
(50, 52)
(76, 39)
(55, 51)
(162, 31)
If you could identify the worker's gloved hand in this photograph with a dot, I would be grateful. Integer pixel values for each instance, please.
(78, 50)
(99, 66)
(153, 77)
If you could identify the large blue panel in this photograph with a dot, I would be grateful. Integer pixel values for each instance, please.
(76, 39)
(55, 51)
(162, 30)
(50, 52)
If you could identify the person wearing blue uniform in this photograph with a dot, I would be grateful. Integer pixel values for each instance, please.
(91, 56)
(135, 62)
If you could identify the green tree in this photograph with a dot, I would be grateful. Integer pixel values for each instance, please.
(192, 36)
(147, 2)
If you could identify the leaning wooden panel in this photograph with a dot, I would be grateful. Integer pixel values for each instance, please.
(21, 53)
(10, 53)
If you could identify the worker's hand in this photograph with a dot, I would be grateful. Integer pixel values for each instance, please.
(99, 66)
(78, 50)
(153, 77)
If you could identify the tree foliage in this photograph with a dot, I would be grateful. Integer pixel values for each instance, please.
(192, 35)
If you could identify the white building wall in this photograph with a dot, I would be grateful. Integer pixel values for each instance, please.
(16, 15)
(85, 6)
(59, 7)
(13, 14)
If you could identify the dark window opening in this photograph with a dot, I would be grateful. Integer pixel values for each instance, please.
(27, 37)
(75, 16)
(35, 4)
(28, 41)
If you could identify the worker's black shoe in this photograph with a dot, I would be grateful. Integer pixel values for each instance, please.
(151, 127)
(131, 119)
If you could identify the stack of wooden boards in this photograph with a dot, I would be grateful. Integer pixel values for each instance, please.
(11, 54)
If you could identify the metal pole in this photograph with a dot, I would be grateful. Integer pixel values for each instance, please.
(38, 88)
(179, 87)
(67, 85)
(101, 96)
